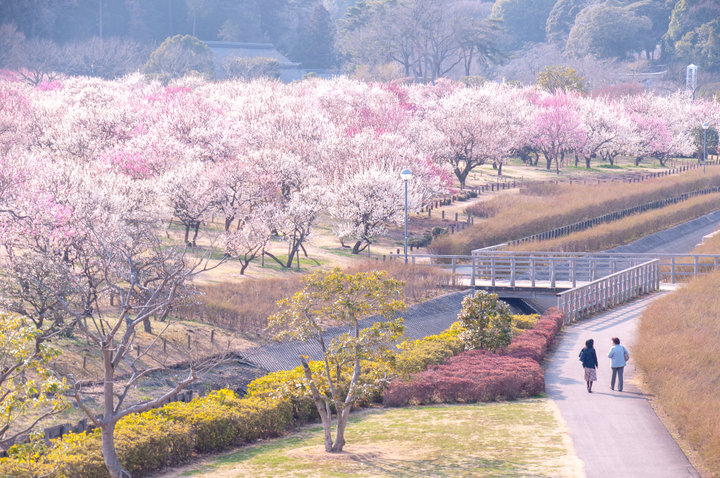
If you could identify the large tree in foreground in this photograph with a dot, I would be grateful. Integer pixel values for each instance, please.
(338, 299)
(89, 252)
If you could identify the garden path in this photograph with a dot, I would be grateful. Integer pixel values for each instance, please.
(615, 433)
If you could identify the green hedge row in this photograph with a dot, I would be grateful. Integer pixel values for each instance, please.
(159, 438)
(172, 434)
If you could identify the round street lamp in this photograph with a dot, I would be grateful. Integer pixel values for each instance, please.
(705, 127)
(406, 175)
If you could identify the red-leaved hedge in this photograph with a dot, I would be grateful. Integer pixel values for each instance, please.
(472, 376)
(534, 343)
(483, 376)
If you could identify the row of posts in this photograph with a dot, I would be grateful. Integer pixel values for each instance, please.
(138, 350)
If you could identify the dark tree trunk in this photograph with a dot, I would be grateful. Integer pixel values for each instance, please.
(197, 229)
(187, 234)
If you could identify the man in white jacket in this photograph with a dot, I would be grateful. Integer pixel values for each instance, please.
(619, 357)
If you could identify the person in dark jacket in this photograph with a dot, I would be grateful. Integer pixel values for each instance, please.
(589, 360)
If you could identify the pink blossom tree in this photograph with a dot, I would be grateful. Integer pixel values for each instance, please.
(471, 127)
(557, 128)
(606, 129)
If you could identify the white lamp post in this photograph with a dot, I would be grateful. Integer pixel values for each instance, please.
(705, 127)
(406, 175)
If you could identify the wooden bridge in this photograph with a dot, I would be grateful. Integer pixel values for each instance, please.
(584, 283)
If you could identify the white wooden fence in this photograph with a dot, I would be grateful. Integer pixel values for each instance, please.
(592, 282)
(559, 269)
(614, 289)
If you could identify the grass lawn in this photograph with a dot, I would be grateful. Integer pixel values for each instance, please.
(522, 438)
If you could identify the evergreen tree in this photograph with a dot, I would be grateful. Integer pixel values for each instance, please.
(315, 48)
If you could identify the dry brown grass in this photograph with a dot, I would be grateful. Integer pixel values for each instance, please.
(517, 216)
(244, 306)
(677, 348)
(606, 236)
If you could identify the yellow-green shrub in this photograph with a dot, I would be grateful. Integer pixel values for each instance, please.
(289, 385)
(149, 441)
(78, 454)
(222, 419)
(524, 322)
(417, 355)
(165, 436)
(263, 418)
(211, 419)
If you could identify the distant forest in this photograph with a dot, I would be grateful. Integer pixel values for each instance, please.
(380, 39)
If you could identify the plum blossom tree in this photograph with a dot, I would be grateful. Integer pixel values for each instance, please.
(363, 204)
(471, 127)
(16, 117)
(192, 196)
(248, 239)
(122, 254)
(296, 217)
(603, 125)
(557, 128)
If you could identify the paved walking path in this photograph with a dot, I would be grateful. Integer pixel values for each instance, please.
(616, 434)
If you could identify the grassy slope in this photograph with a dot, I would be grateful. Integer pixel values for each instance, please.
(677, 348)
(523, 438)
(546, 207)
(631, 228)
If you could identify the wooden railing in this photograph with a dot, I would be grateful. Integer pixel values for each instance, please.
(559, 269)
(606, 218)
(612, 290)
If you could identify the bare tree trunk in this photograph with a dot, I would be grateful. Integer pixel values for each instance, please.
(357, 248)
(321, 405)
(109, 454)
(341, 425)
(108, 424)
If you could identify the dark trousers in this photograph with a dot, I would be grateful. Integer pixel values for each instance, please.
(617, 372)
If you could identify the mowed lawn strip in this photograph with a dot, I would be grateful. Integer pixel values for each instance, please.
(521, 438)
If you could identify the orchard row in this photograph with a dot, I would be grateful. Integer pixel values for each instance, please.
(269, 158)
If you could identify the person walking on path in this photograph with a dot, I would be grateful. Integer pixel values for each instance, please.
(589, 360)
(619, 357)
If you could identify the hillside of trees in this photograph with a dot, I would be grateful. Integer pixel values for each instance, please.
(378, 39)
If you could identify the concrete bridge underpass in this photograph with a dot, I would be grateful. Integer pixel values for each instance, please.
(579, 284)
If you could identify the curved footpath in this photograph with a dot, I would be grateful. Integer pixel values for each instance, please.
(617, 434)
